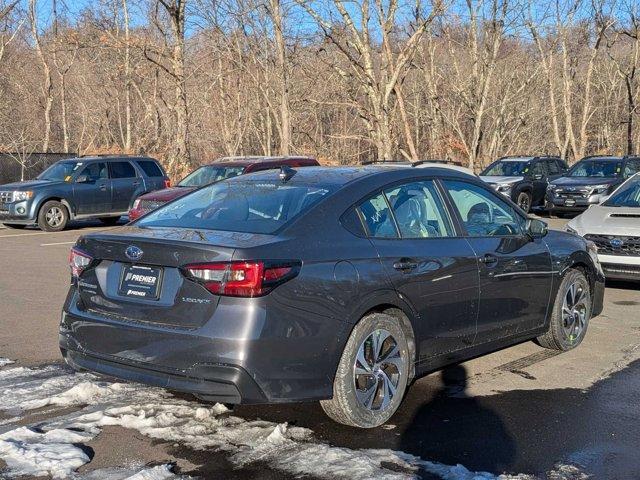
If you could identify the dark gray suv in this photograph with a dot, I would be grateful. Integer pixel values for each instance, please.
(80, 188)
(334, 284)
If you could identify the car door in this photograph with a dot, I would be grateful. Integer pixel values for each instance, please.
(432, 268)
(92, 189)
(126, 185)
(538, 174)
(515, 270)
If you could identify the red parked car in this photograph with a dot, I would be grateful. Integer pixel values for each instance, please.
(221, 169)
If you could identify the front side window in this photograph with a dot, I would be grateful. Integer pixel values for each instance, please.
(595, 168)
(537, 169)
(482, 212)
(418, 210)
(96, 171)
(209, 174)
(60, 171)
(376, 217)
(122, 170)
(247, 206)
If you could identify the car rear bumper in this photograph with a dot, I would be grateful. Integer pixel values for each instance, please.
(243, 354)
(217, 383)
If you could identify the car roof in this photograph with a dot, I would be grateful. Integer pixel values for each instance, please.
(612, 158)
(102, 158)
(338, 176)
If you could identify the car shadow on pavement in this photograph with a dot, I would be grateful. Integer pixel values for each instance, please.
(453, 427)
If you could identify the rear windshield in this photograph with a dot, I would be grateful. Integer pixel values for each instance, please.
(209, 174)
(507, 168)
(595, 168)
(249, 207)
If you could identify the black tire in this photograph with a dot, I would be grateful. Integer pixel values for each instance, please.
(53, 216)
(15, 226)
(110, 221)
(560, 335)
(523, 200)
(345, 407)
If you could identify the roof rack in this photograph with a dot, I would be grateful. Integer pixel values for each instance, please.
(386, 162)
(437, 160)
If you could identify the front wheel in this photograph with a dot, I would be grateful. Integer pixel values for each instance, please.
(524, 201)
(53, 216)
(372, 374)
(570, 315)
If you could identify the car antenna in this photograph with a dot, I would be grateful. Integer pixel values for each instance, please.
(286, 173)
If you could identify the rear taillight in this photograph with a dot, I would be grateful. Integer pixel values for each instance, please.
(78, 261)
(167, 183)
(241, 279)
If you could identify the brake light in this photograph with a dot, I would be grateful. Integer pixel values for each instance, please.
(241, 279)
(167, 183)
(78, 261)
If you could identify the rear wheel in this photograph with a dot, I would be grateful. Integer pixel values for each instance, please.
(17, 226)
(109, 220)
(571, 313)
(372, 373)
(524, 201)
(53, 216)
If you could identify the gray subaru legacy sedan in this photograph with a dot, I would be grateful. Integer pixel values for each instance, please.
(341, 285)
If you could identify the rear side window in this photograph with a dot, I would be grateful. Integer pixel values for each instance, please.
(150, 168)
(631, 168)
(552, 167)
(248, 207)
(376, 217)
(418, 210)
(122, 170)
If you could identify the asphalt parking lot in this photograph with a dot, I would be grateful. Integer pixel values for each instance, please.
(524, 410)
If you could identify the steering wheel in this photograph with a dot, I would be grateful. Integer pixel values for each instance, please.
(504, 229)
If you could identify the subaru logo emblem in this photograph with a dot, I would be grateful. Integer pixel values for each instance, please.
(133, 253)
(616, 242)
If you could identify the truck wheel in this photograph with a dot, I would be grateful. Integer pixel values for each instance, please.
(570, 315)
(109, 220)
(524, 201)
(53, 216)
(372, 374)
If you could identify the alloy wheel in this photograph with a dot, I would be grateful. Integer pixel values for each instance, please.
(574, 311)
(377, 370)
(523, 202)
(54, 217)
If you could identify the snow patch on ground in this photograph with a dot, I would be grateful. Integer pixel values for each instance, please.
(157, 414)
(5, 361)
(159, 472)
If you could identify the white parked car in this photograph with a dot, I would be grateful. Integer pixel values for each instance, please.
(614, 226)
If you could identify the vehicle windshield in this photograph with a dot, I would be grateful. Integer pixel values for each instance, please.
(627, 196)
(60, 171)
(507, 168)
(209, 174)
(247, 206)
(595, 168)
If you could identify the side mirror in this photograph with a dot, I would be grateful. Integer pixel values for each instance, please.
(82, 179)
(536, 228)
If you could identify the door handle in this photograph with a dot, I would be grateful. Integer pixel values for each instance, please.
(135, 184)
(489, 260)
(103, 187)
(405, 264)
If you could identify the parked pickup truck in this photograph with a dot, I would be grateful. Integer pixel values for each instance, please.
(80, 188)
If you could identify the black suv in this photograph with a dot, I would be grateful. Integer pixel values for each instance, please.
(80, 188)
(524, 179)
(589, 181)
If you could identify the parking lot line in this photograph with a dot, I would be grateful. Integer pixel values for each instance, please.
(57, 243)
